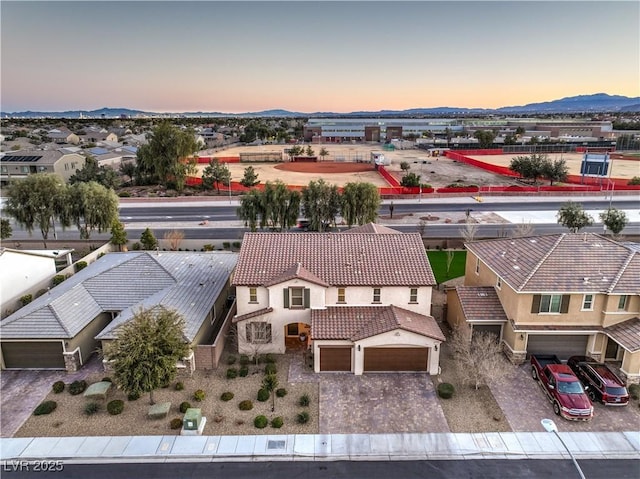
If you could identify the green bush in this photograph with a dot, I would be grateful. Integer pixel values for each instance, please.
(231, 360)
(40, 292)
(133, 396)
(77, 387)
(184, 406)
(634, 181)
(303, 417)
(208, 247)
(57, 279)
(91, 408)
(304, 400)
(263, 395)
(80, 265)
(232, 373)
(226, 396)
(260, 422)
(176, 423)
(107, 379)
(115, 407)
(244, 372)
(236, 244)
(245, 405)
(244, 360)
(634, 391)
(226, 244)
(281, 392)
(269, 358)
(58, 387)
(179, 386)
(277, 422)
(270, 368)
(199, 395)
(26, 299)
(136, 246)
(46, 407)
(446, 390)
(124, 194)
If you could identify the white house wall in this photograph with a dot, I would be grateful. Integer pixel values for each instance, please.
(20, 272)
(396, 295)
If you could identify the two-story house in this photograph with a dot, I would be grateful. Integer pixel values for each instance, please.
(565, 294)
(361, 300)
(20, 164)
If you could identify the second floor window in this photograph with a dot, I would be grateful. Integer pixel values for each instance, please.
(297, 298)
(341, 295)
(587, 302)
(623, 303)
(413, 295)
(253, 295)
(499, 282)
(376, 295)
(550, 303)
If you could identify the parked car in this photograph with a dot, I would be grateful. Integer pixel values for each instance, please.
(601, 383)
(562, 387)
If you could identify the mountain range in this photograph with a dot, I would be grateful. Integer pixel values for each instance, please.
(596, 103)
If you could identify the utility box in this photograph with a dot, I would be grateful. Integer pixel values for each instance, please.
(192, 419)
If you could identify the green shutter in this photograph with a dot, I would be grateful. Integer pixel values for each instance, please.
(268, 332)
(564, 306)
(285, 292)
(535, 306)
(307, 298)
(248, 330)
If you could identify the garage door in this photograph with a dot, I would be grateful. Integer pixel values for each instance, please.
(563, 346)
(37, 355)
(395, 359)
(335, 358)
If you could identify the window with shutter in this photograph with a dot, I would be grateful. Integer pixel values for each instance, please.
(296, 297)
(285, 293)
(259, 333)
(307, 298)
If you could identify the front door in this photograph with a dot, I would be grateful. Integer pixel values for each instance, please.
(612, 350)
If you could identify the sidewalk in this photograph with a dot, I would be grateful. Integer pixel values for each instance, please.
(430, 446)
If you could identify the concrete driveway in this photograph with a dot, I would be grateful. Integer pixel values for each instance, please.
(524, 404)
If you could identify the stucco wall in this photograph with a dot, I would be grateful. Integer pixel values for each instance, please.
(20, 272)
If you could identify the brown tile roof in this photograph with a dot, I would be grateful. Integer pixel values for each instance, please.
(480, 303)
(359, 322)
(296, 271)
(357, 259)
(626, 333)
(569, 262)
(252, 314)
(373, 228)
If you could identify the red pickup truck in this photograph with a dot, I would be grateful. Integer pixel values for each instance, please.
(562, 387)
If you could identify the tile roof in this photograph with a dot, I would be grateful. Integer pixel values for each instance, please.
(373, 228)
(626, 333)
(359, 322)
(480, 303)
(296, 271)
(188, 282)
(338, 259)
(252, 314)
(569, 262)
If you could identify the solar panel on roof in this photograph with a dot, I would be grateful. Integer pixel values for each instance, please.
(22, 159)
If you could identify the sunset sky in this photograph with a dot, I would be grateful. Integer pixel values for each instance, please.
(316, 56)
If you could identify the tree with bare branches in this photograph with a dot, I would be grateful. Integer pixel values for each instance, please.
(469, 231)
(174, 237)
(523, 230)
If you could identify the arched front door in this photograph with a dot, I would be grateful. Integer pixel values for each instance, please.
(296, 336)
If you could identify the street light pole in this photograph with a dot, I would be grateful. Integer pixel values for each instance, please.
(229, 188)
(550, 426)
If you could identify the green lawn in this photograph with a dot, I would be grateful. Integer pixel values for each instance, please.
(438, 260)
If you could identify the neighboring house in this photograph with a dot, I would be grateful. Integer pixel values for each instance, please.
(63, 328)
(565, 294)
(94, 135)
(62, 136)
(361, 300)
(113, 157)
(25, 272)
(20, 164)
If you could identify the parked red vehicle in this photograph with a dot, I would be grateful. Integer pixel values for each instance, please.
(562, 387)
(601, 383)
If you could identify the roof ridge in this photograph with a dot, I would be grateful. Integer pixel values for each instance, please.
(50, 307)
(148, 254)
(621, 271)
(540, 263)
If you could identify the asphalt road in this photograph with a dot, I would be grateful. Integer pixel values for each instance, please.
(459, 469)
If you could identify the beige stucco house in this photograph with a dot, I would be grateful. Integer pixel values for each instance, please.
(20, 164)
(359, 300)
(565, 294)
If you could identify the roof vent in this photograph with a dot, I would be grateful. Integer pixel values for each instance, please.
(482, 294)
(585, 280)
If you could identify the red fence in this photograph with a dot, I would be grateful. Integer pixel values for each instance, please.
(221, 159)
(388, 176)
(461, 156)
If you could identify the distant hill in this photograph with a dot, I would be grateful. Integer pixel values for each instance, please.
(596, 103)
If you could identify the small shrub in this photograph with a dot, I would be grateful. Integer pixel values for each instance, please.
(236, 244)
(133, 396)
(179, 386)
(269, 358)
(260, 422)
(245, 405)
(199, 395)
(184, 406)
(107, 379)
(176, 423)
(232, 373)
(303, 417)
(244, 372)
(115, 407)
(270, 368)
(634, 181)
(239, 422)
(91, 408)
(226, 396)
(46, 407)
(80, 265)
(26, 299)
(634, 391)
(58, 387)
(446, 390)
(124, 194)
(40, 292)
(226, 244)
(304, 400)
(244, 360)
(281, 392)
(77, 387)
(263, 395)
(231, 360)
(57, 279)
(207, 247)
(136, 246)
(277, 422)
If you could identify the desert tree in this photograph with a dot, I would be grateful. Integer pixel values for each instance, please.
(529, 167)
(270, 383)
(405, 167)
(320, 204)
(214, 174)
(250, 177)
(485, 138)
(360, 203)
(323, 153)
(5, 228)
(92, 171)
(615, 220)
(118, 234)
(410, 180)
(146, 350)
(522, 230)
(148, 240)
(449, 260)
(469, 231)
(280, 206)
(174, 238)
(250, 209)
(309, 151)
(91, 206)
(556, 170)
(572, 215)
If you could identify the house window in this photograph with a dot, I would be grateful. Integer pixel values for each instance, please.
(499, 282)
(587, 302)
(259, 333)
(477, 265)
(623, 303)
(3, 169)
(292, 329)
(550, 303)
(297, 298)
(341, 295)
(253, 295)
(24, 169)
(413, 295)
(376, 295)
